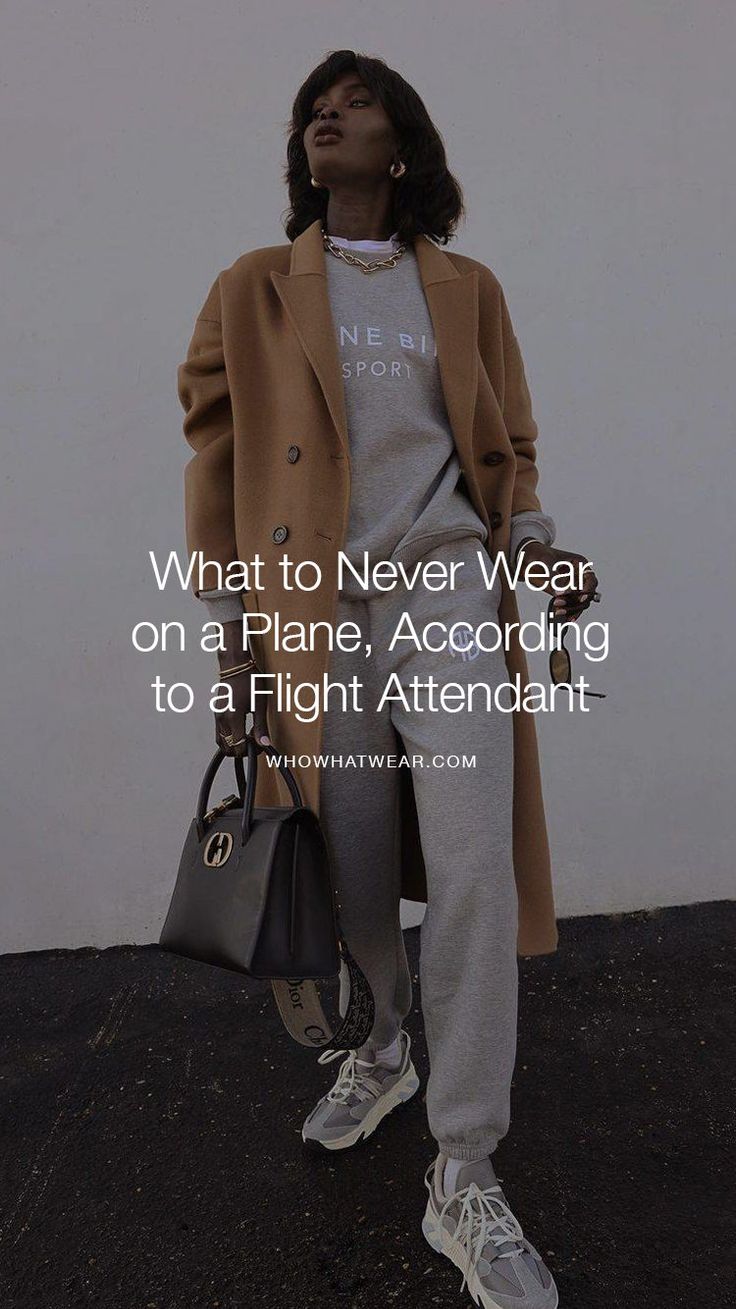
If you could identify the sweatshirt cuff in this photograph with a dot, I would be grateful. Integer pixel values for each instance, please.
(530, 523)
(223, 606)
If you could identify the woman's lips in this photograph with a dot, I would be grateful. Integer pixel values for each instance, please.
(327, 138)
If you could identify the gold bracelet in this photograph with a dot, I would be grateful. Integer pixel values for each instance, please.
(237, 668)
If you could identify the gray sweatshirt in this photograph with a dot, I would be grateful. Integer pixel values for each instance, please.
(405, 469)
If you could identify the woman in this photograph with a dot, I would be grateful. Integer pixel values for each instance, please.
(353, 397)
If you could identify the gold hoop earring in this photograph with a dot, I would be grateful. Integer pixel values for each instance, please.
(317, 185)
(398, 171)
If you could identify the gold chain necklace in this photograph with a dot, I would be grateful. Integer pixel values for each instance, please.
(389, 262)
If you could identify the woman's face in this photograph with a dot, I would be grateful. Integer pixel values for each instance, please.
(363, 143)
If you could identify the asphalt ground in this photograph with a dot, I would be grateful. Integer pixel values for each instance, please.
(152, 1156)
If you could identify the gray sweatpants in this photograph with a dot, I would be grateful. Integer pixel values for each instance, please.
(468, 961)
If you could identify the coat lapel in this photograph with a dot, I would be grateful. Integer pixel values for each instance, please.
(303, 293)
(452, 299)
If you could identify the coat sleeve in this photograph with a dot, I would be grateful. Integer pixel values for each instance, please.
(208, 427)
(520, 424)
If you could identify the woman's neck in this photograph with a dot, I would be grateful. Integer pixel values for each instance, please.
(360, 218)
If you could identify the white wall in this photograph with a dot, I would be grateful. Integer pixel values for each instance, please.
(144, 149)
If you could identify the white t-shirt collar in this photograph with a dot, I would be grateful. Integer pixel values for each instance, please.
(371, 247)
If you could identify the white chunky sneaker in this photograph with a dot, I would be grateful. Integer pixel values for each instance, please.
(365, 1091)
(476, 1229)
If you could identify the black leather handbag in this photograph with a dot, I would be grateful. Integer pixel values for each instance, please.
(254, 894)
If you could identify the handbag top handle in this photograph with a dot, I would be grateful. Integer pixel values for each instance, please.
(246, 785)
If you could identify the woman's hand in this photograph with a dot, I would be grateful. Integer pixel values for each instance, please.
(230, 733)
(570, 602)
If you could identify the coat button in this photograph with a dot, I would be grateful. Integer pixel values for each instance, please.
(292, 454)
(279, 534)
(496, 518)
(493, 457)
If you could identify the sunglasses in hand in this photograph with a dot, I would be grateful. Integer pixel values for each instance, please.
(560, 664)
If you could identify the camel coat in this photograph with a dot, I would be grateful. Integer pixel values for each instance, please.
(262, 392)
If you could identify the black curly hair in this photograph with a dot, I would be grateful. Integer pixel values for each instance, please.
(427, 199)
